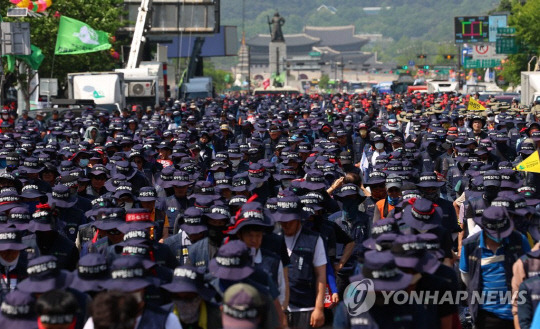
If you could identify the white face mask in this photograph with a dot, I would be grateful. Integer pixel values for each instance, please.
(235, 162)
(219, 175)
(128, 205)
(5, 263)
(252, 251)
(260, 184)
(379, 146)
(139, 296)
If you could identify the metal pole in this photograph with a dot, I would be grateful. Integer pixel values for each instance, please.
(249, 71)
(342, 67)
(460, 55)
(1, 72)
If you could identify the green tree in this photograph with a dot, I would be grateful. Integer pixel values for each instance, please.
(102, 15)
(524, 18)
(323, 81)
(218, 76)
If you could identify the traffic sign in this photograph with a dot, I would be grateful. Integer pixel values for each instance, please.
(481, 63)
(485, 51)
(506, 30)
(481, 49)
(48, 87)
(314, 53)
(411, 63)
(507, 46)
(470, 29)
(496, 21)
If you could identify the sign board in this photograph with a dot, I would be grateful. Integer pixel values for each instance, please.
(507, 46)
(48, 87)
(485, 51)
(471, 29)
(314, 53)
(223, 43)
(495, 22)
(15, 38)
(17, 12)
(411, 63)
(172, 17)
(506, 30)
(481, 63)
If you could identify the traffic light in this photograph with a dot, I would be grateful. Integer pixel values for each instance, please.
(405, 67)
(426, 67)
(448, 57)
(167, 91)
(422, 56)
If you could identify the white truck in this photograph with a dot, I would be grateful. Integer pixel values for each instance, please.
(200, 87)
(439, 86)
(106, 89)
(144, 85)
(530, 87)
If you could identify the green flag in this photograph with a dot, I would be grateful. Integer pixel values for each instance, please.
(76, 37)
(33, 60)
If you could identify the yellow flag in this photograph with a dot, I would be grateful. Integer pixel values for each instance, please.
(531, 164)
(474, 105)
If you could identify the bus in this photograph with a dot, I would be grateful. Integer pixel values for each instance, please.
(273, 91)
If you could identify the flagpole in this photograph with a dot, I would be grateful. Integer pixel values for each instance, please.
(52, 65)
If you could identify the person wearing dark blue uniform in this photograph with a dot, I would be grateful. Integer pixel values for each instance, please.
(307, 272)
(486, 266)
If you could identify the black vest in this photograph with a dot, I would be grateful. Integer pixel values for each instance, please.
(153, 318)
(531, 263)
(530, 290)
(302, 280)
(199, 255)
(269, 264)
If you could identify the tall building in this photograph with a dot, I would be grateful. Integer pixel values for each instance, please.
(242, 68)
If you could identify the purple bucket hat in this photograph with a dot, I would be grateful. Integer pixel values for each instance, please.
(410, 252)
(380, 267)
(44, 274)
(232, 262)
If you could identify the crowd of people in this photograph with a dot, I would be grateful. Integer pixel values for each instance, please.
(260, 211)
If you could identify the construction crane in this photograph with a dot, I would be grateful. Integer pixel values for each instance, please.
(142, 25)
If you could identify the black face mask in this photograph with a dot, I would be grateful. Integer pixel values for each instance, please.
(254, 158)
(431, 196)
(350, 208)
(491, 193)
(215, 234)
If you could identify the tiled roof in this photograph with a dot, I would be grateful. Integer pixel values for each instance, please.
(300, 39)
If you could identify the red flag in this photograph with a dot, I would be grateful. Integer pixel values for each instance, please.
(266, 83)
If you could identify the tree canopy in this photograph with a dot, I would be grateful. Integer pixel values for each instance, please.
(524, 17)
(99, 14)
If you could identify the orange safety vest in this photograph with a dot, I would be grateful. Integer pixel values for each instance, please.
(381, 205)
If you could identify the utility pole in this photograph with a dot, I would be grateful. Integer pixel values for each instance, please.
(460, 56)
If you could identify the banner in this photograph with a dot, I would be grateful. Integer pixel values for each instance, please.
(266, 84)
(531, 164)
(76, 37)
(474, 105)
